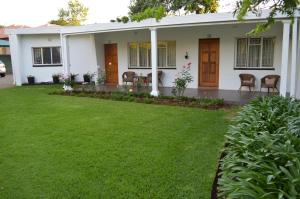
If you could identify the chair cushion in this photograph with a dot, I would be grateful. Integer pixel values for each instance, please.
(270, 82)
(247, 81)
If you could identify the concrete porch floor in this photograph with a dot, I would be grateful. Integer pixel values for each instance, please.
(230, 96)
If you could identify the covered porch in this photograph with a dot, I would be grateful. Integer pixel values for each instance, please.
(87, 52)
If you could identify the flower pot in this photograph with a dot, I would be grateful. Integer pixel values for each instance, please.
(73, 78)
(30, 80)
(67, 88)
(55, 79)
(86, 78)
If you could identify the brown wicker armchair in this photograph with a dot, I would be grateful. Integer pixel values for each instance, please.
(129, 76)
(269, 81)
(247, 80)
(159, 76)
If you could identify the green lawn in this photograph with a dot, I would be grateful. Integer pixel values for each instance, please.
(74, 147)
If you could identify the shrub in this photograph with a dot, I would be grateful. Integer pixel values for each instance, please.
(182, 80)
(263, 151)
(101, 77)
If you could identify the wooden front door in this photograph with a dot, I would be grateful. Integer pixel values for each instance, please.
(111, 63)
(208, 63)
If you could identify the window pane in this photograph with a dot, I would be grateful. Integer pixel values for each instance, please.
(268, 52)
(254, 41)
(254, 52)
(162, 61)
(56, 55)
(37, 56)
(149, 57)
(46, 56)
(133, 49)
(241, 52)
(172, 53)
(143, 54)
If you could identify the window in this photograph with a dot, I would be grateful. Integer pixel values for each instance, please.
(46, 56)
(140, 54)
(254, 53)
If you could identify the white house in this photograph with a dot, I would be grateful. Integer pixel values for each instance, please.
(217, 45)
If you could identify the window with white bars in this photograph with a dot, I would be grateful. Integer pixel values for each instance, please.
(44, 56)
(254, 52)
(140, 54)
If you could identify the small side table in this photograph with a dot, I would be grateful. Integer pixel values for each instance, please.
(143, 80)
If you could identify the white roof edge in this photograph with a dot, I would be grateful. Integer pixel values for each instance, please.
(170, 21)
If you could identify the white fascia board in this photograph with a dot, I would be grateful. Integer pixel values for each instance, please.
(30, 31)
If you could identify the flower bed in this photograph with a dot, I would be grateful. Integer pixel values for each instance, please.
(262, 154)
(206, 103)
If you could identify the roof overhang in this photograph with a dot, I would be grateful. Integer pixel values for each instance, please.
(167, 22)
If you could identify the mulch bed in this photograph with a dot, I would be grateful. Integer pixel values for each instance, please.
(205, 103)
(214, 190)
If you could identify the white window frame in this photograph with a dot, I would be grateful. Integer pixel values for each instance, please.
(247, 53)
(42, 57)
(148, 60)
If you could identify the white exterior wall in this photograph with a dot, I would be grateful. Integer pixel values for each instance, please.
(15, 45)
(82, 54)
(86, 52)
(187, 40)
(41, 74)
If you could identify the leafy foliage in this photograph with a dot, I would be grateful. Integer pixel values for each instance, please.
(74, 15)
(287, 7)
(143, 9)
(195, 6)
(173, 6)
(156, 12)
(263, 152)
(182, 80)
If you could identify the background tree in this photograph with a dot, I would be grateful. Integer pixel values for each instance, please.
(195, 6)
(143, 9)
(287, 7)
(73, 15)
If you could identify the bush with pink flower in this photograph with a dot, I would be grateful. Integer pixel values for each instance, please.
(182, 80)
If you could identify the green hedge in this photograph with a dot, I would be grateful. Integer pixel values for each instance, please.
(263, 151)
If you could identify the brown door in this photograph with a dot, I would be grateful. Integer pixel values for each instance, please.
(111, 63)
(208, 63)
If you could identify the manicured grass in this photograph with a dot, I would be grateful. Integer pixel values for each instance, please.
(71, 147)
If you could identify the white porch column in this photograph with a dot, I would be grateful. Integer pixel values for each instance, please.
(297, 95)
(65, 54)
(94, 56)
(294, 59)
(285, 57)
(154, 91)
(15, 47)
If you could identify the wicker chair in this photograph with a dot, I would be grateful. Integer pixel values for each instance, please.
(247, 80)
(159, 76)
(129, 76)
(269, 81)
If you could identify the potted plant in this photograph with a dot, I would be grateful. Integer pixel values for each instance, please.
(87, 77)
(73, 77)
(30, 79)
(56, 77)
